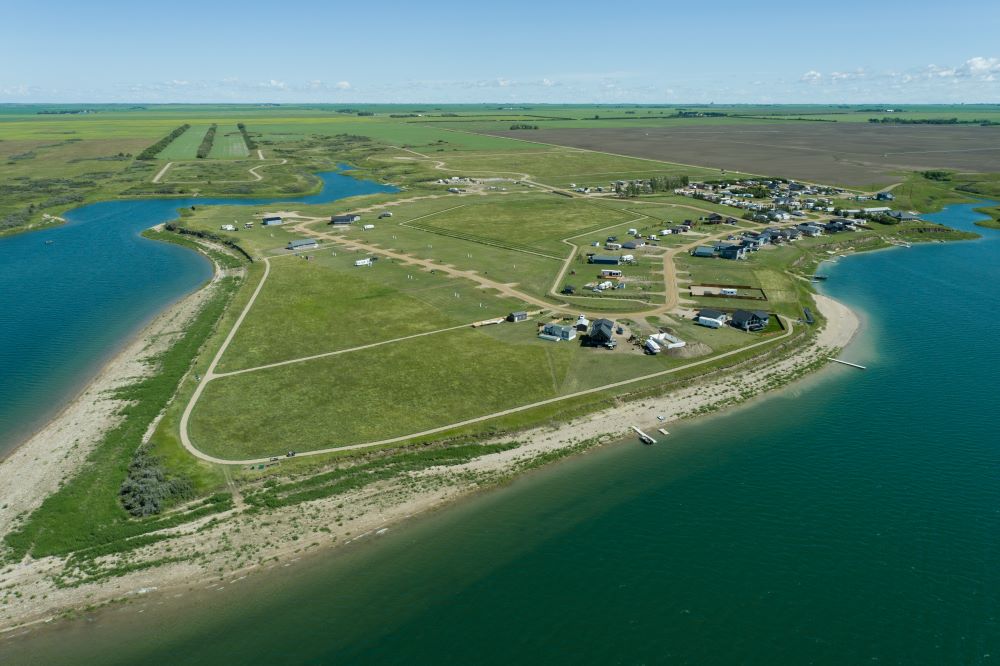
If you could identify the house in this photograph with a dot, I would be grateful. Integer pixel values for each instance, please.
(903, 217)
(271, 220)
(602, 333)
(302, 244)
(703, 251)
(344, 219)
(885, 196)
(711, 318)
(557, 332)
(750, 320)
(602, 259)
(733, 252)
(520, 315)
(714, 218)
(582, 323)
(810, 230)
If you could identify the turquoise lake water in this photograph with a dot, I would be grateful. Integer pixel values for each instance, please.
(851, 519)
(66, 307)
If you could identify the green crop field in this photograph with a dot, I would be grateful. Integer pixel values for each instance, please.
(185, 147)
(229, 143)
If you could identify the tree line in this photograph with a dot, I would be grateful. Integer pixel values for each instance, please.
(151, 152)
(206, 143)
(931, 121)
(651, 186)
(251, 144)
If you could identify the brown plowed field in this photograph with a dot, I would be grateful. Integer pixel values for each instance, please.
(855, 154)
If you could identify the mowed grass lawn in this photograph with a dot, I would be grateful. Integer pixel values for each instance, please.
(371, 395)
(228, 143)
(185, 147)
(327, 304)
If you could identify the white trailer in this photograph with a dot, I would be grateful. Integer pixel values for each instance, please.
(362, 262)
(726, 291)
(368, 227)
(652, 347)
(709, 322)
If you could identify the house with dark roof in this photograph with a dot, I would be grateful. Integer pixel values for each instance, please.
(750, 320)
(703, 251)
(602, 332)
(903, 216)
(344, 219)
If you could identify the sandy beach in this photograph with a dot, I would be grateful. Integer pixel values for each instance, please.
(236, 543)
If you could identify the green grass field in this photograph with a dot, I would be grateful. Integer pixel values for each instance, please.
(185, 147)
(228, 144)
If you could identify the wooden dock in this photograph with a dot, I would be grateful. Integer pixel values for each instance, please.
(646, 439)
(853, 365)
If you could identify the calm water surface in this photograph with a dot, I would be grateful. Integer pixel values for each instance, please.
(66, 306)
(854, 518)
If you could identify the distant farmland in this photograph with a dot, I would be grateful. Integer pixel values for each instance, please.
(858, 155)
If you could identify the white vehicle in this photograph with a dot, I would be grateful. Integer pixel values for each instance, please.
(633, 232)
(627, 258)
(368, 227)
(384, 215)
(727, 292)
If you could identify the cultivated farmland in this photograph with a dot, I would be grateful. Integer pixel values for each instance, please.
(851, 154)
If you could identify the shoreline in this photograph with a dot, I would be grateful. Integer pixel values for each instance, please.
(37, 464)
(62, 446)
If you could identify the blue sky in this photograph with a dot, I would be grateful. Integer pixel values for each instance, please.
(581, 52)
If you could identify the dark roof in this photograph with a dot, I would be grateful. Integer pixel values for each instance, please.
(743, 318)
(710, 313)
(602, 329)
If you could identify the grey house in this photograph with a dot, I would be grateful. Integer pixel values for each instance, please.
(750, 320)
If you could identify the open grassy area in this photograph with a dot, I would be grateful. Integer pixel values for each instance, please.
(228, 144)
(327, 304)
(185, 147)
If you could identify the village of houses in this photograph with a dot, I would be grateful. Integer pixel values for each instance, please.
(794, 210)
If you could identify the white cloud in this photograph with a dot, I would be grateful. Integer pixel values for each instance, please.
(342, 85)
(812, 76)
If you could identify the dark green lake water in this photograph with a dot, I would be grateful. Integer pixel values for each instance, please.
(852, 519)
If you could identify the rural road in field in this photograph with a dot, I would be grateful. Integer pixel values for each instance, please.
(162, 171)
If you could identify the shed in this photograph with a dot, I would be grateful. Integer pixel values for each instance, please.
(271, 220)
(703, 251)
(302, 244)
(520, 315)
(603, 259)
(344, 219)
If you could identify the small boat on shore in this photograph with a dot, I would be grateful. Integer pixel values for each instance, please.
(49, 242)
(817, 278)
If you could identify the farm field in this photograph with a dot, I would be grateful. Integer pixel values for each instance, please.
(185, 147)
(857, 155)
(228, 144)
